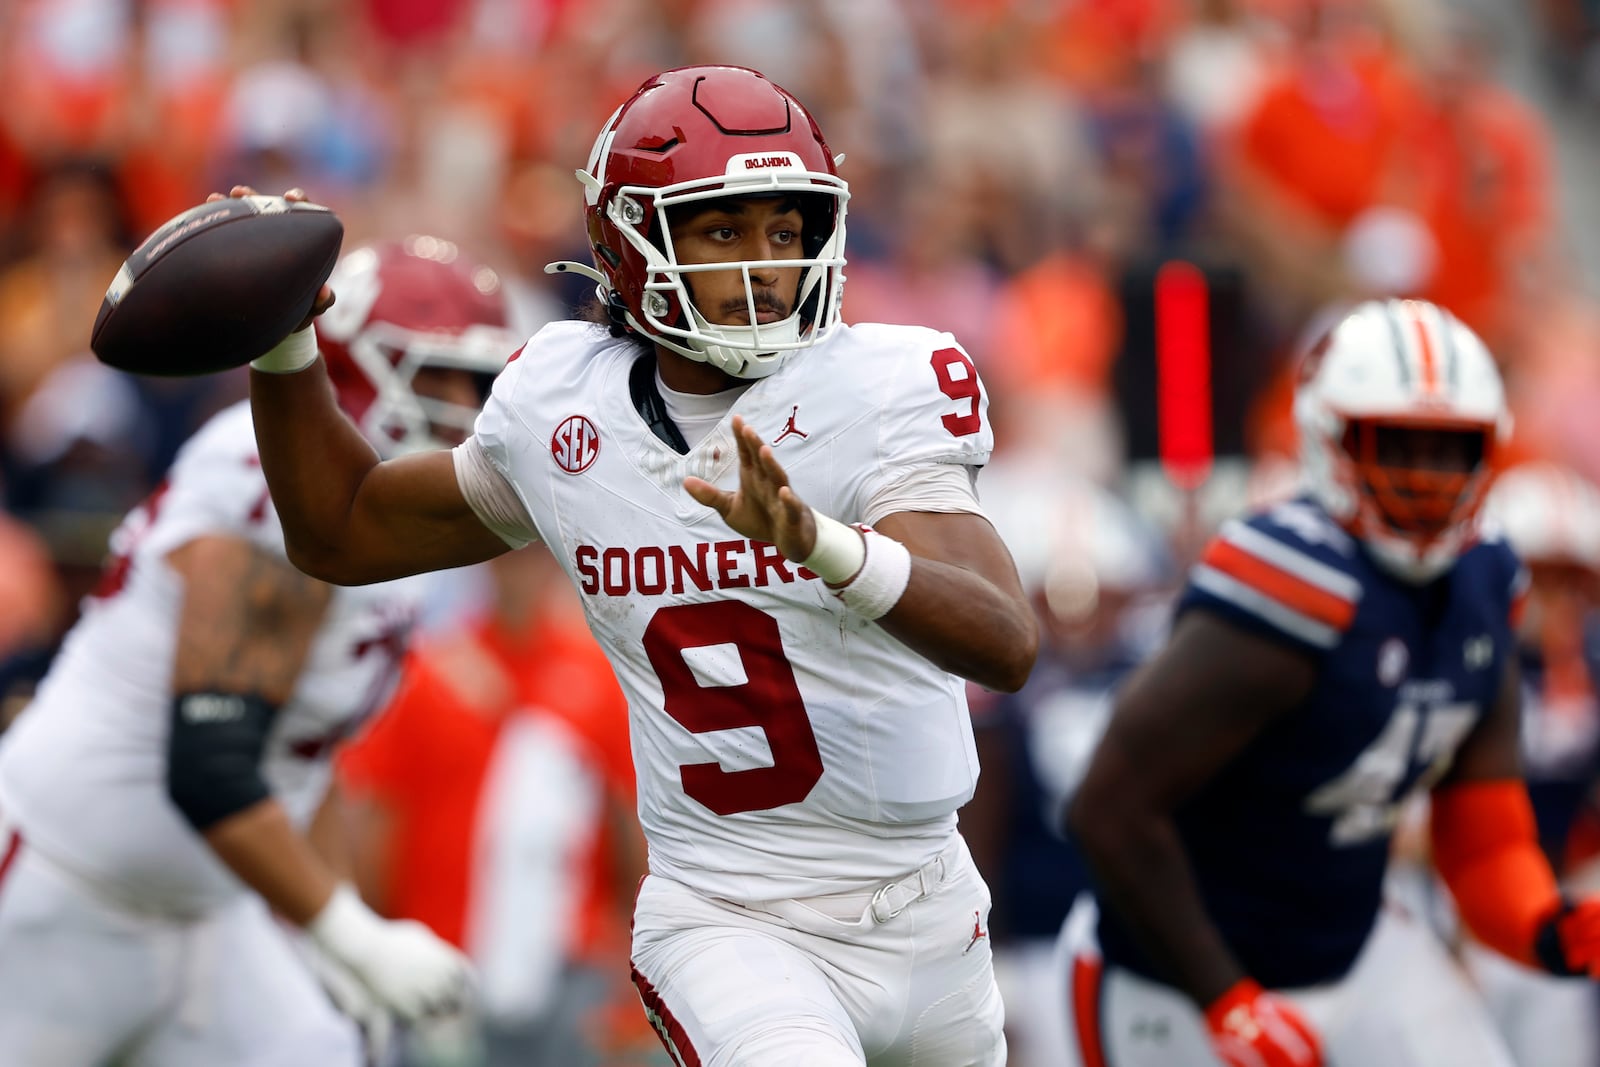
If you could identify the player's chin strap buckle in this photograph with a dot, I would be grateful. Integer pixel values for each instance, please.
(895, 897)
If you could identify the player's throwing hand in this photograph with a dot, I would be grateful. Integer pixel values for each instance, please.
(325, 296)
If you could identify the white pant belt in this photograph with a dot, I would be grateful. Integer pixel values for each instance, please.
(887, 900)
(890, 900)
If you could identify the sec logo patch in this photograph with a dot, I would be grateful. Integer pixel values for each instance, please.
(575, 444)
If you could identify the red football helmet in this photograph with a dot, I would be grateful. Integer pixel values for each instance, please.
(404, 307)
(705, 133)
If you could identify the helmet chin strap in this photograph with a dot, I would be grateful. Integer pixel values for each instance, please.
(737, 357)
(740, 357)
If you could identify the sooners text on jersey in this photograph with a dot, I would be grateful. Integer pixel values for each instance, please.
(784, 746)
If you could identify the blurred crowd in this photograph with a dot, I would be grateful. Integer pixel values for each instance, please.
(1021, 171)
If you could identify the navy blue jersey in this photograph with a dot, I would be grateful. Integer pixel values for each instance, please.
(1560, 740)
(1290, 841)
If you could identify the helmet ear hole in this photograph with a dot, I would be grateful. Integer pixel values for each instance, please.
(617, 313)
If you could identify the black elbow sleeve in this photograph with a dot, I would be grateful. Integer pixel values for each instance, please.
(214, 754)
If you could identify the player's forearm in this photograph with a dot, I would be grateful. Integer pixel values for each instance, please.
(329, 836)
(315, 461)
(261, 846)
(956, 597)
(963, 623)
(1486, 849)
(371, 839)
(1145, 876)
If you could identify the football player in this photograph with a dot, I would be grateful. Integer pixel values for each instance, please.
(1550, 515)
(156, 794)
(1329, 655)
(771, 520)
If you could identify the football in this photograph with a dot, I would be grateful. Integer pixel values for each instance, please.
(216, 286)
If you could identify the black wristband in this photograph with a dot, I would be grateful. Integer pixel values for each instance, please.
(1547, 947)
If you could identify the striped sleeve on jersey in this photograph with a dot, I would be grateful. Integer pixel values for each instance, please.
(1272, 582)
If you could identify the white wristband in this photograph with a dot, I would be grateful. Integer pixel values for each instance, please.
(839, 550)
(294, 353)
(345, 926)
(883, 577)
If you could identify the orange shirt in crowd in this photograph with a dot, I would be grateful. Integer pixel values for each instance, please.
(425, 759)
(1057, 326)
(1485, 162)
(1327, 136)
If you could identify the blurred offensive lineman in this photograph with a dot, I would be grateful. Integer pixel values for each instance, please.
(799, 724)
(1330, 655)
(180, 745)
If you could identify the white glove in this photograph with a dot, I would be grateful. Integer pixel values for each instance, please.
(350, 995)
(407, 967)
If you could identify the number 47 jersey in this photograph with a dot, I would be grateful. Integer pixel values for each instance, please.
(1289, 844)
(784, 746)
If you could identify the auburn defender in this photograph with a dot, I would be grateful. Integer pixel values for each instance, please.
(1330, 655)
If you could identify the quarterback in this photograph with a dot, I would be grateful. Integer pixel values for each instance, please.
(155, 796)
(771, 520)
(1332, 654)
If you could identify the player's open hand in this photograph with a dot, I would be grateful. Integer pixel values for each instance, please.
(325, 295)
(764, 507)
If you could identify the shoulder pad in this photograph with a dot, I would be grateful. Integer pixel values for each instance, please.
(933, 405)
(1287, 570)
(1502, 570)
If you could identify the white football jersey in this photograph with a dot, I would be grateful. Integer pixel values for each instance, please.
(784, 746)
(83, 770)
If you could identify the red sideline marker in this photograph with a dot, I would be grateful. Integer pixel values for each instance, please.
(1183, 374)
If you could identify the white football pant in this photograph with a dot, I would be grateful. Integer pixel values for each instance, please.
(1547, 1021)
(897, 977)
(1405, 1003)
(84, 983)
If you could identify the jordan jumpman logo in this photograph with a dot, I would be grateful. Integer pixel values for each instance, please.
(978, 933)
(790, 429)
